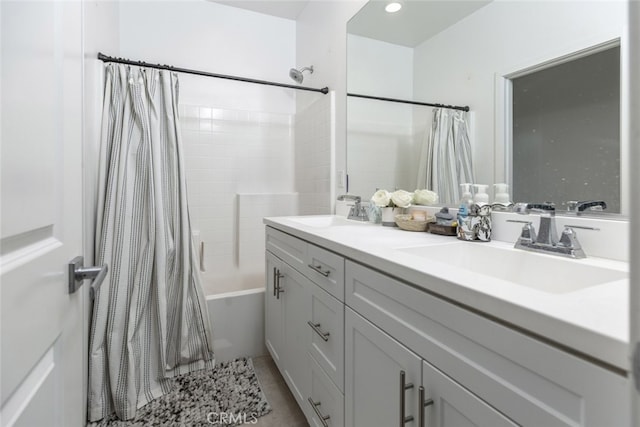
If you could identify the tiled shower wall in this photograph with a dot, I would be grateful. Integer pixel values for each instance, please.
(229, 152)
(313, 153)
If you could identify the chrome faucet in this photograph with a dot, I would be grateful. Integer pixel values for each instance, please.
(546, 240)
(357, 211)
(579, 207)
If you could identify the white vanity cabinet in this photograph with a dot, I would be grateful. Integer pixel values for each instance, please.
(358, 347)
(374, 365)
(286, 335)
(304, 324)
(273, 312)
(386, 383)
(510, 377)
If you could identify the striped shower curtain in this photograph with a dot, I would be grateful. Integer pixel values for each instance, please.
(445, 160)
(149, 320)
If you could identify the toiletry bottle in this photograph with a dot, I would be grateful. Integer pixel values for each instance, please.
(501, 191)
(501, 202)
(481, 210)
(464, 222)
(481, 195)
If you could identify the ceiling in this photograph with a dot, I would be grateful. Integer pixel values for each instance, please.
(289, 9)
(416, 22)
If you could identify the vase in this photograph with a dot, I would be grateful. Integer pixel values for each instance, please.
(389, 216)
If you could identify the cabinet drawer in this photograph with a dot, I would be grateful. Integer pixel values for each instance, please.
(326, 326)
(530, 382)
(290, 249)
(325, 400)
(326, 269)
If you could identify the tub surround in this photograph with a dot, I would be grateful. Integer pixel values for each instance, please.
(591, 322)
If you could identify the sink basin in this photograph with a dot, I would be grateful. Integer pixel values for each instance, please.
(545, 273)
(322, 221)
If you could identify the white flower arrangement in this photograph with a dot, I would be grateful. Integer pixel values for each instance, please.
(425, 197)
(399, 198)
(381, 198)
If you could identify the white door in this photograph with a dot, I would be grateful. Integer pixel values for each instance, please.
(634, 180)
(41, 356)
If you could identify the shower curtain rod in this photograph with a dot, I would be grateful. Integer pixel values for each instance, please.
(105, 58)
(404, 101)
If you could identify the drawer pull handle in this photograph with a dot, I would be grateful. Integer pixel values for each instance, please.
(404, 387)
(278, 288)
(275, 281)
(316, 327)
(422, 403)
(318, 269)
(323, 418)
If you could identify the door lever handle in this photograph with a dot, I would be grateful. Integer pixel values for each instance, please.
(78, 273)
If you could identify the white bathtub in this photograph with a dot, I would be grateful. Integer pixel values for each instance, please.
(238, 324)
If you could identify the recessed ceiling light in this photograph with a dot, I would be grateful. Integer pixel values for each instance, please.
(393, 7)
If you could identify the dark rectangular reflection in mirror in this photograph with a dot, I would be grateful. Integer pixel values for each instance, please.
(566, 132)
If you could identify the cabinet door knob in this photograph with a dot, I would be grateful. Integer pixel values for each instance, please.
(404, 387)
(323, 418)
(316, 328)
(422, 403)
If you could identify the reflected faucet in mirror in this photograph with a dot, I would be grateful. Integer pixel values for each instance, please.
(357, 212)
(591, 205)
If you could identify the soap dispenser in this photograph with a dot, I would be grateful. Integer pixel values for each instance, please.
(481, 214)
(481, 195)
(465, 230)
(501, 201)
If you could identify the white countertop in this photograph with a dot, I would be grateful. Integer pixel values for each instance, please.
(593, 321)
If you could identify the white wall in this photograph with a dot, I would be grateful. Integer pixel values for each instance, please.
(380, 134)
(207, 36)
(322, 41)
(458, 65)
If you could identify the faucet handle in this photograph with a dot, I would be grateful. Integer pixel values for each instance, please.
(569, 239)
(579, 207)
(544, 207)
(582, 227)
(528, 233)
(520, 208)
(525, 208)
(343, 197)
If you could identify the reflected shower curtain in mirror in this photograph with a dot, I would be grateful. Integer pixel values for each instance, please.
(149, 320)
(445, 159)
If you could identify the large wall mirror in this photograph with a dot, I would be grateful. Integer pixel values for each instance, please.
(512, 63)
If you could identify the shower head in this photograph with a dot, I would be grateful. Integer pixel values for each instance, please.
(297, 76)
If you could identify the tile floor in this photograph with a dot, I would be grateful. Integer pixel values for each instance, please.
(285, 411)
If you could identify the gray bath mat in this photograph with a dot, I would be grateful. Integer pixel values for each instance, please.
(228, 395)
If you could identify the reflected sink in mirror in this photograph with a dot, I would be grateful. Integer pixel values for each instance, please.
(321, 221)
(545, 273)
